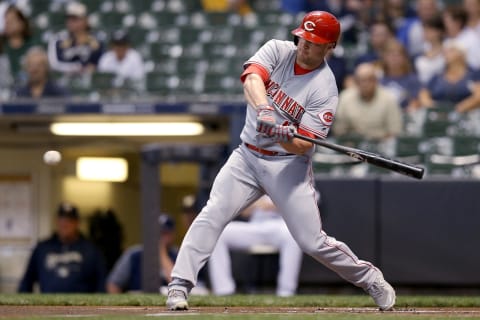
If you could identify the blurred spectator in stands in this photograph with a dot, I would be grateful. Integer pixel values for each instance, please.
(457, 85)
(39, 83)
(380, 32)
(398, 75)
(431, 61)
(75, 50)
(339, 65)
(3, 8)
(17, 40)
(241, 7)
(411, 33)
(455, 20)
(264, 227)
(397, 12)
(124, 61)
(126, 273)
(472, 7)
(367, 110)
(5, 76)
(67, 261)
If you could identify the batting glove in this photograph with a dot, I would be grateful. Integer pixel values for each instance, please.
(283, 133)
(265, 119)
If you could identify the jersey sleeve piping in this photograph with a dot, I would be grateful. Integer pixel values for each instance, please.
(313, 131)
(255, 68)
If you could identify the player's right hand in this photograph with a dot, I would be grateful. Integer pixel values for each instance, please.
(265, 120)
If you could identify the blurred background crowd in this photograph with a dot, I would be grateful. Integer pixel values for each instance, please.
(403, 68)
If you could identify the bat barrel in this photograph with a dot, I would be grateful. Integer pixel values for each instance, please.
(369, 157)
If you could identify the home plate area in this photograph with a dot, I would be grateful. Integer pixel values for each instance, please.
(86, 311)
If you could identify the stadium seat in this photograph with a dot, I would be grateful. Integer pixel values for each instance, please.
(92, 5)
(56, 21)
(161, 83)
(183, 5)
(138, 36)
(436, 128)
(222, 19)
(219, 66)
(349, 141)
(465, 145)
(216, 35)
(102, 81)
(223, 50)
(193, 50)
(189, 66)
(111, 20)
(435, 168)
(39, 6)
(328, 162)
(217, 84)
(266, 6)
(166, 35)
(165, 18)
(166, 66)
(408, 149)
(160, 51)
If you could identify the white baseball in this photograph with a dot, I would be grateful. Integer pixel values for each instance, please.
(52, 157)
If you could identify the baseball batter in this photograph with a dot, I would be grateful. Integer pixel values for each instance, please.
(289, 88)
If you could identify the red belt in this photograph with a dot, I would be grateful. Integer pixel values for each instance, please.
(262, 151)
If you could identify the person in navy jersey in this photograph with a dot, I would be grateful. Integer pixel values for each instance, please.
(76, 49)
(66, 262)
(398, 75)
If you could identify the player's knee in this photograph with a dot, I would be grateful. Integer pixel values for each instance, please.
(311, 246)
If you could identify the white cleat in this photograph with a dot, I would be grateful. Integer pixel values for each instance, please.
(177, 300)
(382, 293)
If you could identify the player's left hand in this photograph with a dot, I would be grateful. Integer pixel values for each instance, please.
(283, 133)
(265, 120)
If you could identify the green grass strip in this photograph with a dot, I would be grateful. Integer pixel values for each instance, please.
(235, 300)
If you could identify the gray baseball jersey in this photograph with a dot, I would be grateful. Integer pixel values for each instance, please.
(309, 102)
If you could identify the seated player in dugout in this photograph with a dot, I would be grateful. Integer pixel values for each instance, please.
(263, 227)
(289, 88)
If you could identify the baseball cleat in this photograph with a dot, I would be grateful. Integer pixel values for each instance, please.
(382, 293)
(177, 300)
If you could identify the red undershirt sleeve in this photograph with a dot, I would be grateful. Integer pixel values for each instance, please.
(258, 69)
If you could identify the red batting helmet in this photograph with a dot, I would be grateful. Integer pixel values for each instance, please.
(319, 27)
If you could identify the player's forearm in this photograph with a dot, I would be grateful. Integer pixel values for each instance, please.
(297, 146)
(471, 102)
(254, 90)
(166, 265)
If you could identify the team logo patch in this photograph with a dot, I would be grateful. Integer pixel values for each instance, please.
(309, 25)
(326, 117)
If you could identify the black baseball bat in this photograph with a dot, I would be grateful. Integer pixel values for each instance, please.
(370, 157)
